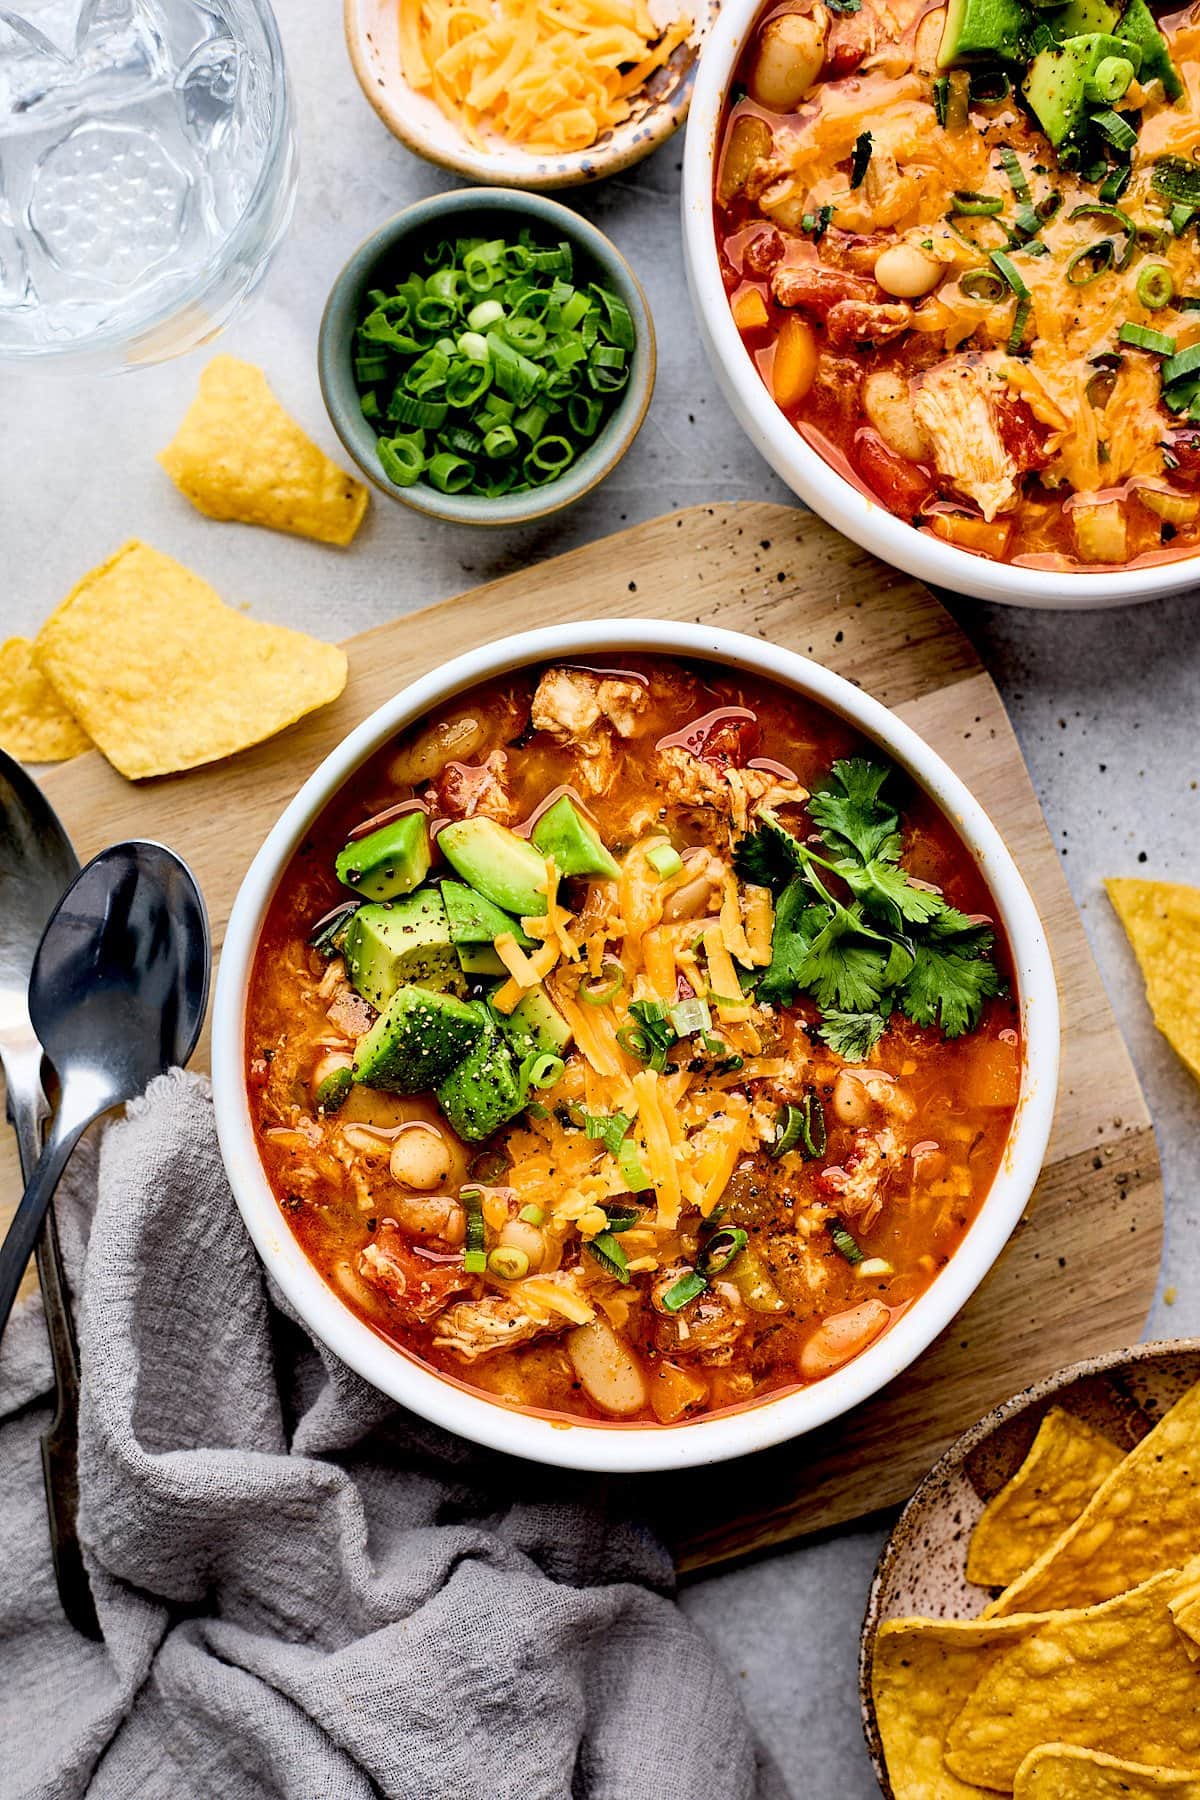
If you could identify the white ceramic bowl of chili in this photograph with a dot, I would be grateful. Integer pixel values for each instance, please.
(597, 1446)
(868, 522)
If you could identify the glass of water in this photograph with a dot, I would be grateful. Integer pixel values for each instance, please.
(147, 172)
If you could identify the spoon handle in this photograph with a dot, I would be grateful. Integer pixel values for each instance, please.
(26, 1226)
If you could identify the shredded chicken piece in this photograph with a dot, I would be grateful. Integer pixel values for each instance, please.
(350, 1013)
(466, 789)
(858, 1186)
(570, 702)
(953, 403)
(707, 1328)
(475, 1328)
(740, 792)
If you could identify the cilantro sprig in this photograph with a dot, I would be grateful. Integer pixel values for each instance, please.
(890, 945)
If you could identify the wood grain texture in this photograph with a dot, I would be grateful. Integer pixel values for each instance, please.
(1078, 1276)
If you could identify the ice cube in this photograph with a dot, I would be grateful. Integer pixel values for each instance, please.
(209, 87)
(57, 21)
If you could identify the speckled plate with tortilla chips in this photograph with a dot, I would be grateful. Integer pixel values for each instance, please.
(974, 1689)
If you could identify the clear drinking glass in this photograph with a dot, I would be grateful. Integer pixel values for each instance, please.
(147, 172)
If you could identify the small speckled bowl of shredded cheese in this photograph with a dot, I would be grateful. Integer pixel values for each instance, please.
(524, 93)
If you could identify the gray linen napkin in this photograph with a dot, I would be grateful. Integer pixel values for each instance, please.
(305, 1591)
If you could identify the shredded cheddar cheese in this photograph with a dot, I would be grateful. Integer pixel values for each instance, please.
(550, 75)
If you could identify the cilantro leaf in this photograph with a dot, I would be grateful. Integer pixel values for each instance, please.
(770, 856)
(852, 817)
(885, 888)
(853, 1035)
(951, 976)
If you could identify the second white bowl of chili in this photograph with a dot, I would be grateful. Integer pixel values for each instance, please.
(792, 197)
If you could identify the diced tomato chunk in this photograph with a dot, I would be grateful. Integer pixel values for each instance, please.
(730, 743)
(764, 250)
(1023, 436)
(847, 45)
(904, 487)
(1183, 443)
(865, 322)
(816, 290)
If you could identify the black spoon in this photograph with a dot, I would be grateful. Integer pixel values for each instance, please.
(116, 996)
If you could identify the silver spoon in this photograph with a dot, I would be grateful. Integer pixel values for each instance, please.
(116, 996)
(37, 864)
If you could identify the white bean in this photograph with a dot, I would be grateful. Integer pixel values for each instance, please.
(431, 1216)
(519, 1234)
(607, 1368)
(840, 1337)
(426, 755)
(906, 272)
(790, 53)
(888, 405)
(420, 1158)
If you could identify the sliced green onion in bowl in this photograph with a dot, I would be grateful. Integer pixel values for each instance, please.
(1155, 286)
(665, 860)
(973, 205)
(690, 1016)
(508, 1262)
(1143, 337)
(982, 285)
(722, 1247)
(689, 1287)
(609, 984)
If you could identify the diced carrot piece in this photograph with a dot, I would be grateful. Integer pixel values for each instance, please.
(673, 1391)
(750, 311)
(795, 367)
(992, 1076)
(988, 539)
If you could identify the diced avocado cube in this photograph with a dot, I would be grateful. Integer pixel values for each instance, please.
(535, 1027)
(1056, 85)
(405, 940)
(1134, 24)
(983, 28)
(391, 861)
(479, 959)
(417, 1040)
(474, 920)
(483, 1092)
(497, 864)
(573, 841)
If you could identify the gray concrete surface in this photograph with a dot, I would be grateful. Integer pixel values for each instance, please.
(1105, 705)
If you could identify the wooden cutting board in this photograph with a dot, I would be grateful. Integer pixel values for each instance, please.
(1079, 1274)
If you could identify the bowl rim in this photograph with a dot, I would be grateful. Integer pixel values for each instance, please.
(600, 457)
(600, 1447)
(628, 143)
(1106, 1362)
(805, 471)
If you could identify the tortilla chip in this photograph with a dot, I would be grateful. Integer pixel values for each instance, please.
(922, 1673)
(1162, 922)
(1185, 1610)
(35, 726)
(1062, 1772)
(1067, 1462)
(1144, 1517)
(165, 676)
(239, 455)
(1114, 1678)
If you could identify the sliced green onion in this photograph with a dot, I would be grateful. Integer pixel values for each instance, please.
(1090, 263)
(1016, 337)
(1184, 362)
(508, 1262)
(941, 98)
(609, 1254)
(1155, 286)
(475, 1242)
(690, 1016)
(726, 1243)
(690, 1285)
(860, 161)
(450, 474)
(1099, 389)
(1010, 272)
(401, 460)
(532, 1215)
(1016, 174)
(1092, 209)
(487, 313)
(329, 933)
(600, 993)
(982, 285)
(608, 1129)
(621, 1218)
(844, 1244)
(405, 409)
(545, 1070)
(1109, 80)
(630, 1165)
(976, 205)
(1177, 180)
(1142, 337)
(500, 441)
(1117, 130)
(665, 860)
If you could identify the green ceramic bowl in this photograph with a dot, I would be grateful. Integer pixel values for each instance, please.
(391, 252)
